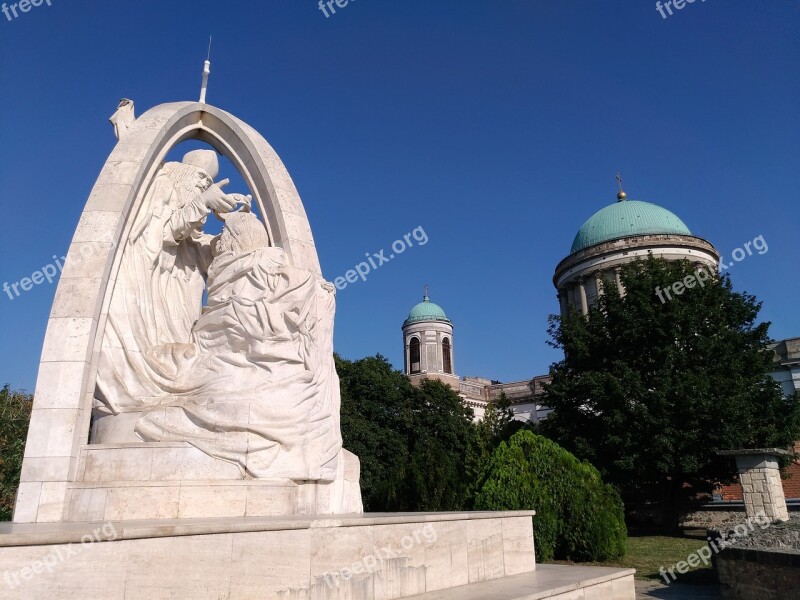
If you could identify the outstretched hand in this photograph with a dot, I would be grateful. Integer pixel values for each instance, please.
(217, 200)
(245, 201)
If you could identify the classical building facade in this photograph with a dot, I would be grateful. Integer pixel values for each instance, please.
(631, 229)
(615, 235)
(787, 365)
(429, 354)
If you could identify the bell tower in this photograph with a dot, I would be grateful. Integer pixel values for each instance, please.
(428, 344)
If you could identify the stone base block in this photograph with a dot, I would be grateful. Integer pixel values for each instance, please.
(359, 557)
(177, 481)
(122, 501)
(163, 461)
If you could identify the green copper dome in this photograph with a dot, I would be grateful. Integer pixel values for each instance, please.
(625, 219)
(426, 311)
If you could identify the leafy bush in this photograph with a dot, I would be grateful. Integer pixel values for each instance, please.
(578, 517)
(15, 413)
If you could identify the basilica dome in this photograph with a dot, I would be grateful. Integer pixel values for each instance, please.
(627, 218)
(426, 311)
(620, 234)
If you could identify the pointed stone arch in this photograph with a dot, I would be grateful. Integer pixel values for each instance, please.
(65, 386)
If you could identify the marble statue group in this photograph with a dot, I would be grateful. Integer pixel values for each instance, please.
(246, 377)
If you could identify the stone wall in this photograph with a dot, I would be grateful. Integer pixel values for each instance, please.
(748, 574)
(714, 519)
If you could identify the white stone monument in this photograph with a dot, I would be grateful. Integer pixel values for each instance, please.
(151, 405)
(187, 450)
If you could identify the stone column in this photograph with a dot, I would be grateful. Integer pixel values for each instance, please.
(407, 353)
(761, 482)
(618, 279)
(599, 281)
(563, 302)
(584, 301)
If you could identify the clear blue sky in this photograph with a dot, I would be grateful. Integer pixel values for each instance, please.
(496, 125)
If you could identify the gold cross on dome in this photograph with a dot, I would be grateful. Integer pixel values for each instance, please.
(621, 195)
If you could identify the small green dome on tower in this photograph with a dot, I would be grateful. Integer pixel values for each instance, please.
(426, 311)
(627, 218)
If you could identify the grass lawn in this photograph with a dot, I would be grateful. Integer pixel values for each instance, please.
(648, 553)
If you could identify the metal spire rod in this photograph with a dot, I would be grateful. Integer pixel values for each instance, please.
(206, 73)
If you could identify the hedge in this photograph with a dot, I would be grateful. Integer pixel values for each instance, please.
(578, 517)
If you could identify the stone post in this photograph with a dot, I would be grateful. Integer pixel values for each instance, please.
(761, 481)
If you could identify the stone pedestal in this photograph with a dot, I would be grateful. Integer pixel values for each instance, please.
(359, 557)
(760, 477)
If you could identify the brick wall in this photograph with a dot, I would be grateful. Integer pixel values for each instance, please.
(791, 486)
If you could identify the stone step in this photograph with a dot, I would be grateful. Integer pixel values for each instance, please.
(313, 557)
(554, 582)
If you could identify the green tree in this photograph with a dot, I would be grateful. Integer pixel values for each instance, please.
(498, 423)
(375, 417)
(415, 444)
(442, 443)
(578, 517)
(650, 391)
(15, 414)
